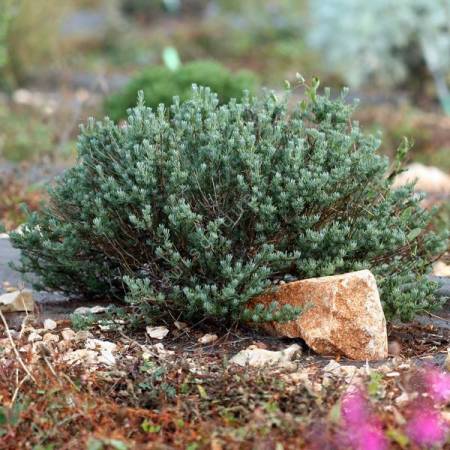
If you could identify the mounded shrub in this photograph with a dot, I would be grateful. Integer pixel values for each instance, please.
(197, 208)
(161, 84)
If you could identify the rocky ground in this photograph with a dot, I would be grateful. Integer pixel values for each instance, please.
(176, 387)
(74, 384)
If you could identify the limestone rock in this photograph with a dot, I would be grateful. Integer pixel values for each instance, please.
(157, 332)
(107, 358)
(342, 315)
(34, 337)
(50, 338)
(17, 301)
(81, 356)
(82, 335)
(68, 334)
(208, 338)
(180, 325)
(87, 310)
(257, 357)
(157, 350)
(49, 324)
(429, 179)
(440, 269)
(94, 344)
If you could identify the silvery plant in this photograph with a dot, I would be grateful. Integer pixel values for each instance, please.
(194, 209)
(383, 40)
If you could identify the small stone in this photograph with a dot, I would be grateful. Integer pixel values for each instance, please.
(257, 357)
(34, 337)
(82, 311)
(393, 374)
(404, 366)
(82, 356)
(86, 310)
(156, 350)
(68, 334)
(49, 324)
(332, 367)
(50, 337)
(93, 344)
(17, 301)
(82, 335)
(98, 309)
(157, 332)
(64, 345)
(440, 269)
(180, 325)
(402, 399)
(208, 339)
(107, 358)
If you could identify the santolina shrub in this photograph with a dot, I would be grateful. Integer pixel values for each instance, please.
(160, 84)
(197, 208)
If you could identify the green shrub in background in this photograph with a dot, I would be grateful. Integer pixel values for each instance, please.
(24, 134)
(29, 33)
(152, 9)
(5, 19)
(196, 208)
(160, 85)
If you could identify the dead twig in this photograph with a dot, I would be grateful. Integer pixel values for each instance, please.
(19, 358)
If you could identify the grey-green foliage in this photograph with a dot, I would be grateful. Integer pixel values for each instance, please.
(197, 208)
(384, 40)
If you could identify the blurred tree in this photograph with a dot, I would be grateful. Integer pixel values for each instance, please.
(5, 18)
(29, 36)
(384, 41)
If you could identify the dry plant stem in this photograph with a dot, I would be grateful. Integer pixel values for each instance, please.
(16, 392)
(25, 368)
(437, 317)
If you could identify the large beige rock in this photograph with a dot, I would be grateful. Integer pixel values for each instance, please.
(428, 179)
(342, 315)
(440, 269)
(17, 301)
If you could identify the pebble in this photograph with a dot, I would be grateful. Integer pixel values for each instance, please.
(157, 332)
(50, 337)
(393, 374)
(68, 334)
(34, 337)
(208, 339)
(49, 324)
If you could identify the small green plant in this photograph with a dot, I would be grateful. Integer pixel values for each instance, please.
(195, 209)
(24, 134)
(83, 321)
(160, 85)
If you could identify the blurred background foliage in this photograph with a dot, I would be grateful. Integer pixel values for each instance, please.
(63, 61)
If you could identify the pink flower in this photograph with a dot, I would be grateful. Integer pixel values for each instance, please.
(437, 384)
(361, 429)
(368, 436)
(354, 408)
(425, 425)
